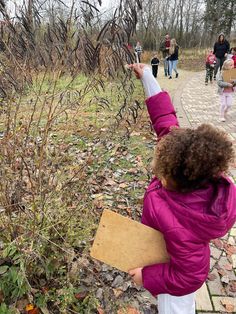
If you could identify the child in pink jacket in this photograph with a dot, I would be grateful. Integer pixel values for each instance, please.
(190, 200)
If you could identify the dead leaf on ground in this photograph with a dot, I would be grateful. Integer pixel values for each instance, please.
(218, 243)
(230, 249)
(211, 277)
(34, 311)
(100, 310)
(221, 272)
(98, 203)
(117, 292)
(110, 182)
(228, 266)
(81, 295)
(123, 185)
(228, 305)
(31, 309)
(128, 310)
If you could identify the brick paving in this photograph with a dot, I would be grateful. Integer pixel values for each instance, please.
(196, 104)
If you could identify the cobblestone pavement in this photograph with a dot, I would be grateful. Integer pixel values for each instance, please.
(196, 104)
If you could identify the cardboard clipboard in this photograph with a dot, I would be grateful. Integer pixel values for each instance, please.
(229, 75)
(126, 244)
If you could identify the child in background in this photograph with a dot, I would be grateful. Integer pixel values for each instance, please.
(233, 51)
(155, 63)
(210, 64)
(190, 200)
(225, 89)
(138, 51)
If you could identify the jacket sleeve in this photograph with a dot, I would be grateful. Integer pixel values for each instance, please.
(214, 49)
(182, 274)
(221, 83)
(162, 113)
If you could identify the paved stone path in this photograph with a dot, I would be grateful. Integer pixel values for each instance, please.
(196, 104)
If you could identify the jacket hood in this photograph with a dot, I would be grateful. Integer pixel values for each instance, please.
(221, 34)
(209, 212)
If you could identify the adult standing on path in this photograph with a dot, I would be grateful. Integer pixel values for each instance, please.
(221, 48)
(173, 58)
(164, 47)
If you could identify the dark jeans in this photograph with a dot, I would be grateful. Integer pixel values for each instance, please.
(209, 73)
(166, 67)
(137, 55)
(219, 63)
(154, 70)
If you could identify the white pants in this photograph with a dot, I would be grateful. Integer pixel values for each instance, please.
(226, 100)
(169, 304)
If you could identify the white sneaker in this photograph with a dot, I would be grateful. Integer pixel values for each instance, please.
(222, 119)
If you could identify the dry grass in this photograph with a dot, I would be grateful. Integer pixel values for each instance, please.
(189, 59)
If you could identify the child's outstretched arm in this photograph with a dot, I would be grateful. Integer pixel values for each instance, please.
(159, 105)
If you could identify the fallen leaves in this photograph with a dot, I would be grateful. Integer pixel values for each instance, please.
(81, 295)
(117, 292)
(211, 277)
(218, 243)
(229, 307)
(228, 267)
(230, 249)
(128, 310)
(100, 310)
(31, 309)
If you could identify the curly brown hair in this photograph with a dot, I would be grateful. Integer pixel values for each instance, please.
(192, 157)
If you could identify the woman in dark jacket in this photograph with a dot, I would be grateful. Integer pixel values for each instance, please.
(173, 58)
(221, 48)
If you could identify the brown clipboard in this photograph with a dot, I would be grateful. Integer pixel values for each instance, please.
(229, 75)
(127, 244)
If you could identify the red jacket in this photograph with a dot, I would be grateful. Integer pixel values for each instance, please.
(188, 221)
(211, 59)
(234, 58)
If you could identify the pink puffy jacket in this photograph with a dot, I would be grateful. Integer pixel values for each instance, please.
(188, 221)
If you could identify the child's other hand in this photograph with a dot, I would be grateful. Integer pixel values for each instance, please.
(138, 69)
(136, 275)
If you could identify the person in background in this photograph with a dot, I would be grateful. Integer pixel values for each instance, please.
(229, 54)
(138, 50)
(129, 46)
(164, 48)
(210, 64)
(173, 58)
(221, 48)
(190, 199)
(155, 63)
(225, 89)
(233, 51)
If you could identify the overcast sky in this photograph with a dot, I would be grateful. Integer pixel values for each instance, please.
(11, 4)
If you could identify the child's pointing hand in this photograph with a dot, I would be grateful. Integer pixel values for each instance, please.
(138, 69)
(136, 275)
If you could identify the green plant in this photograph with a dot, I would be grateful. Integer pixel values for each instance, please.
(4, 309)
(13, 281)
(88, 305)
